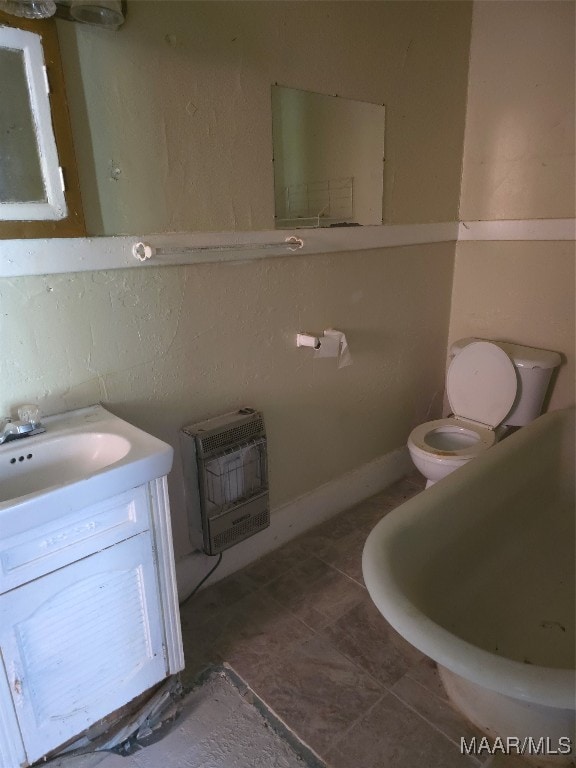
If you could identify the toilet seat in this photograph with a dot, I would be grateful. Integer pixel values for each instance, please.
(434, 439)
(481, 384)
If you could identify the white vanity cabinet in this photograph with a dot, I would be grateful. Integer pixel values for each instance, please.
(88, 619)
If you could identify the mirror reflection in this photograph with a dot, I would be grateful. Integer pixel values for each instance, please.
(31, 181)
(328, 159)
(172, 147)
(20, 170)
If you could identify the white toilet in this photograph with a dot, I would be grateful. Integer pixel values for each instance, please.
(490, 385)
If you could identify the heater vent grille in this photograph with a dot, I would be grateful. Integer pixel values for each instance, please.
(226, 474)
(231, 436)
(241, 531)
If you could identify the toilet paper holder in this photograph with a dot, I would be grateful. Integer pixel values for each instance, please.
(307, 340)
(331, 343)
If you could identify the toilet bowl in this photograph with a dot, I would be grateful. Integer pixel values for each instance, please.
(490, 386)
(439, 447)
(481, 385)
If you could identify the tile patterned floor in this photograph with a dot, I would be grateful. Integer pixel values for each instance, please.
(299, 627)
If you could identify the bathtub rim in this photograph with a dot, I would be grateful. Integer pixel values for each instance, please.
(549, 686)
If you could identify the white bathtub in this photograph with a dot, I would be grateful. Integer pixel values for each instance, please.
(478, 572)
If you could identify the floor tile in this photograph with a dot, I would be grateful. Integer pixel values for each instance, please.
(360, 518)
(254, 642)
(435, 710)
(315, 542)
(246, 634)
(317, 692)
(392, 736)
(199, 653)
(366, 638)
(299, 627)
(371, 512)
(275, 564)
(316, 593)
(347, 522)
(401, 491)
(427, 675)
(217, 597)
(346, 555)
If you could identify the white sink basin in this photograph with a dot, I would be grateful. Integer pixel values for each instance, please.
(56, 461)
(83, 457)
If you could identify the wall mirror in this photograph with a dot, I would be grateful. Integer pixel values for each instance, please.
(328, 159)
(39, 189)
(31, 185)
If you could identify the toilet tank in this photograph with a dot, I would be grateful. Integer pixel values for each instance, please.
(534, 368)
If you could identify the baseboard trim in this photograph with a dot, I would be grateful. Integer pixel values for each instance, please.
(296, 517)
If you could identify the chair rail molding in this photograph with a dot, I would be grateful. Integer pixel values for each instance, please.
(88, 254)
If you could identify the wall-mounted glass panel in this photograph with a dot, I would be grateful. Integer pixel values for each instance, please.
(30, 179)
(20, 169)
(328, 159)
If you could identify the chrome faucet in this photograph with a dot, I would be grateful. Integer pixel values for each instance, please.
(28, 424)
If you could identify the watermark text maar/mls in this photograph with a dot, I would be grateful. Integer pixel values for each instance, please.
(516, 745)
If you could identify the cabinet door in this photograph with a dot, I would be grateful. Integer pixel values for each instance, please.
(81, 642)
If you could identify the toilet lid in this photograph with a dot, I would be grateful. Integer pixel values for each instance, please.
(481, 383)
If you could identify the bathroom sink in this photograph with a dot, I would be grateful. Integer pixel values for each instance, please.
(30, 467)
(84, 456)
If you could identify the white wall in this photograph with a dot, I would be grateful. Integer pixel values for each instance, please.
(519, 164)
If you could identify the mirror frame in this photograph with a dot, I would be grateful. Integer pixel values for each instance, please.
(73, 224)
(30, 44)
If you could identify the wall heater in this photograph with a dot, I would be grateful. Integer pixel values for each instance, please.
(225, 479)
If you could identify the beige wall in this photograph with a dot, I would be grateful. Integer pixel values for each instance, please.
(520, 292)
(172, 114)
(519, 142)
(178, 102)
(519, 164)
(165, 347)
